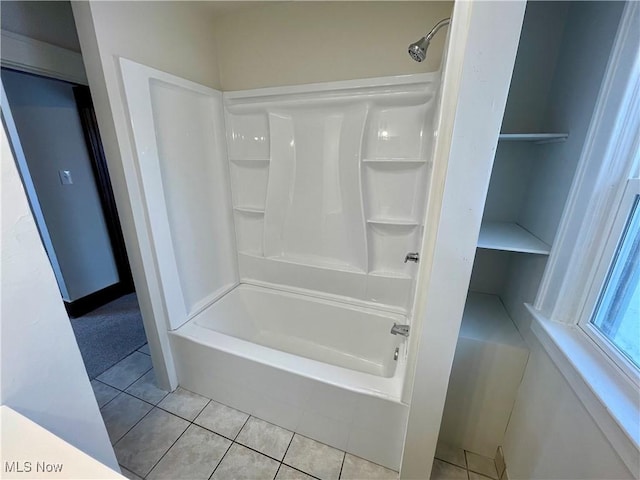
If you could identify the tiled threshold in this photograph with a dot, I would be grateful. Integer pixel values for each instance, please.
(162, 435)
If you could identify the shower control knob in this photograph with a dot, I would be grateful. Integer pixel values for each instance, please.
(412, 257)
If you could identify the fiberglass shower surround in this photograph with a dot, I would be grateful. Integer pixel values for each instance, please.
(280, 219)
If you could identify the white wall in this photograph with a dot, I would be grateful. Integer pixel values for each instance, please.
(48, 21)
(291, 43)
(178, 38)
(51, 136)
(551, 434)
(43, 376)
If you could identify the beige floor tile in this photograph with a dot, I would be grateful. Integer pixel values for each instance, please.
(194, 456)
(240, 463)
(103, 392)
(314, 458)
(221, 419)
(129, 474)
(477, 476)
(122, 413)
(445, 471)
(126, 371)
(147, 389)
(288, 473)
(356, 468)
(184, 403)
(483, 465)
(265, 437)
(141, 448)
(451, 454)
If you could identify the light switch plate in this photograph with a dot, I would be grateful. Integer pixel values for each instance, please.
(65, 177)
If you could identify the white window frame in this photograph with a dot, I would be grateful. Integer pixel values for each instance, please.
(600, 279)
(610, 158)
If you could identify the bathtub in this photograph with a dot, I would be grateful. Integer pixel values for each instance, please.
(328, 370)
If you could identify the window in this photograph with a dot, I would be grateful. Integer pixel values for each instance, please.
(614, 321)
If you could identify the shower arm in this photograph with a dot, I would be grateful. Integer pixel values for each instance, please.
(442, 23)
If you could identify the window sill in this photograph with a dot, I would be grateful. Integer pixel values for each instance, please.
(610, 398)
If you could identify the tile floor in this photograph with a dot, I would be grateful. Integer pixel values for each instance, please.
(182, 435)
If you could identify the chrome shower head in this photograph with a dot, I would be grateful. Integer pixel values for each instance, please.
(418, 50)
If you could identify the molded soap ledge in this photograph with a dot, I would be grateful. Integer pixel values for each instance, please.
(394, 160)
(397, 222)
(251, 210)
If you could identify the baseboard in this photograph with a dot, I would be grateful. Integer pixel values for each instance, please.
(86, 304)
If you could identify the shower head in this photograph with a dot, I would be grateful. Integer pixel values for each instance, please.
(418, 50)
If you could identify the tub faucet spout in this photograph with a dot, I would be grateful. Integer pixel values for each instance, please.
(400, 330)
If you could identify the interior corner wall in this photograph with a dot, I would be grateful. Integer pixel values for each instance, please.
(552, 435)
(43, 375)
(291, 43)
(175, 37)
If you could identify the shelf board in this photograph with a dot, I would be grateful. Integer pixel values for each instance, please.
(510, 237)
(254, 210)
(485, 319)
(393, 160)
(534, 137)
(396, 222)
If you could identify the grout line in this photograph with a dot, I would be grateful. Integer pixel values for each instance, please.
(221, 458)
(257, 451)
(344, 455)
(298, 470)
(243, 425)
(288, 446)
(167, 451)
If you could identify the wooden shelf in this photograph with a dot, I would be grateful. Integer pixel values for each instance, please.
(253, 210)
(510, 237)
(485, 319)
(533, 137)
(395, 222)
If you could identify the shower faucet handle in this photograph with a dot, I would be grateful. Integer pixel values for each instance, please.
(412, 257)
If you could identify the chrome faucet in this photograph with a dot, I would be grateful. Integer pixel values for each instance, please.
(412, 257)
(400, 330)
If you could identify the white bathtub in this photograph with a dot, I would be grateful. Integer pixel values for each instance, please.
(318, 367)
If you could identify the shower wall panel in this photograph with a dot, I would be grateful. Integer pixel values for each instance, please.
(329, 183)
(181, 162)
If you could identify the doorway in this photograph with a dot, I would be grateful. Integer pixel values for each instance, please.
(56, 142)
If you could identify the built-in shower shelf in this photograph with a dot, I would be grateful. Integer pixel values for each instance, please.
(388, 274)
(510, 237)
(250, 160)
(394, 160)
(534, 137)
(253, 210)
(394, 222)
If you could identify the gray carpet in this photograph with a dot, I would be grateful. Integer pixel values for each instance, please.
(110, 333)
